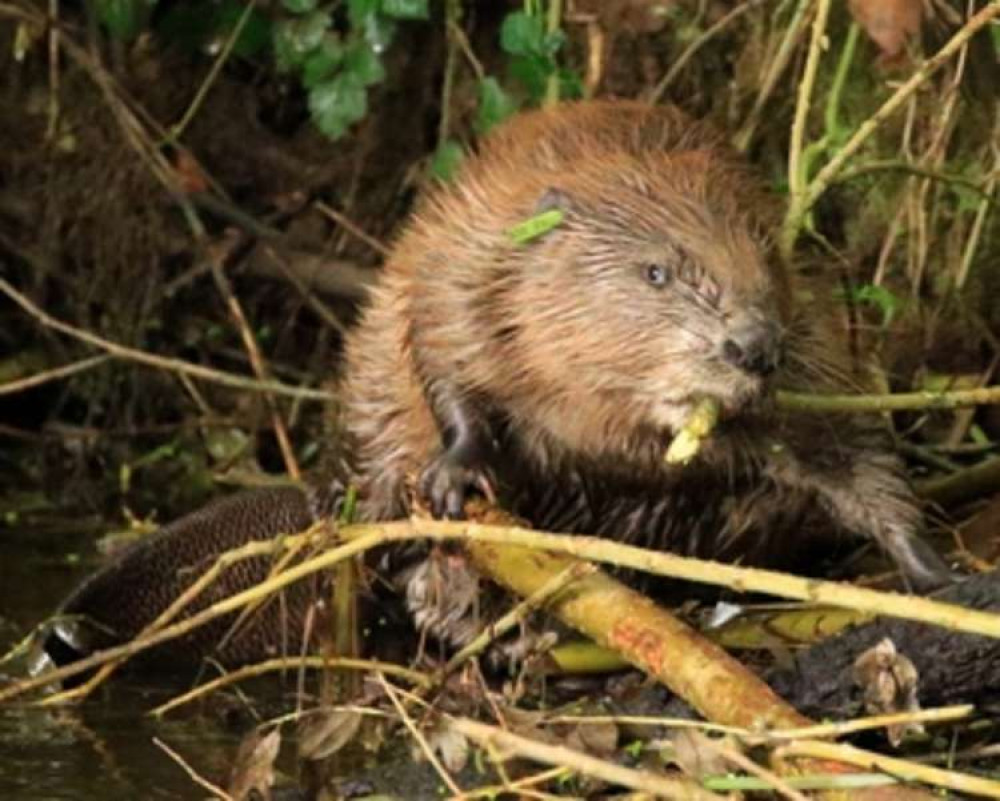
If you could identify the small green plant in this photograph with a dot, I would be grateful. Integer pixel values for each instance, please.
(533, 42)
(336, 52)
(337, 69)
(878, 297)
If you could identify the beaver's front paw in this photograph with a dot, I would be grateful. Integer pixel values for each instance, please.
(445, 483)
(442, 596)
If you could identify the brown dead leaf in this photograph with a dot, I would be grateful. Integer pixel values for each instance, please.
(192, 180)
(253, 766)
(888, 23)
(980, 534)
(325, 732)
(695, 754)
(599, 739)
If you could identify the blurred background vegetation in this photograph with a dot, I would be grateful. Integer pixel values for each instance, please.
(217, 182)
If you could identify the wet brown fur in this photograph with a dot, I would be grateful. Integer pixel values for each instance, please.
(584, 398)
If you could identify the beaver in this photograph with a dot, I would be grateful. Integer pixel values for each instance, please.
(118, 601)
(551, 374)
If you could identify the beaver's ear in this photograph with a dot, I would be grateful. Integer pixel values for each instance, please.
(553, 198)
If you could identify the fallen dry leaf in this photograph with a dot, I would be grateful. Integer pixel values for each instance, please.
(889, 23)
(695, 754)
(253, 766)
(323, 733)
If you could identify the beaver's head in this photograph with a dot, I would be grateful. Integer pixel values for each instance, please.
(659, 288)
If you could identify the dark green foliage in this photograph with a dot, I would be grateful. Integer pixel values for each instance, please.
(124, 19)
(533, 50)
(446, 160)
(495, 105)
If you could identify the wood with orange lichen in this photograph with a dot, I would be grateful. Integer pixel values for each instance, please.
(657, 642)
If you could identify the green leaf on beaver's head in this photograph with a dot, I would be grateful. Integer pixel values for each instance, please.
(536, 226)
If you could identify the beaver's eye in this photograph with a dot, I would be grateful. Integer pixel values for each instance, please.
(657, 274)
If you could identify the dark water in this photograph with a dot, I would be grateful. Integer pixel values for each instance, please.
(104, 749)
(101, 749)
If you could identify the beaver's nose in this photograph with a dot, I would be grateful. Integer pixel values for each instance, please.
(753, 345)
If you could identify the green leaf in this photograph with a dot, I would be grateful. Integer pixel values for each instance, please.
(536, 226)
(322, 62)
(570, 85)
(553, 42)
(359, 10)
(406, 9)
(522, 34)
(363, 63)
(365, 16)
(495, 105)
(533, 72)
(447, 159)
(124, 19)
(338, 103)
(299, 6)
(880, 298)
(296, 38)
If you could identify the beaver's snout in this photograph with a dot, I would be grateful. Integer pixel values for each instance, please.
(754, 345)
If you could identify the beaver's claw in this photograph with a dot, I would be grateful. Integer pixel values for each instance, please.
(445, 484)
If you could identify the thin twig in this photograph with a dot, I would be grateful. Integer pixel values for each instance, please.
(805, 200)
(689, 52)
(257, 361)
(520, 612)
(160, 362)
(52, 130)
(453, 13)
(900, 768)
(769, 777)
(552, 26)
(904, 166)
(417, 735)
(52, 375)
(355, 230)
(745, 135)
(289, 663)
(820, 730)
(215, 790)
(952, 399)
(178, 130)
(796, 174)
(579, 762)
